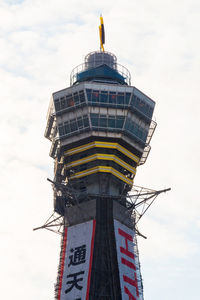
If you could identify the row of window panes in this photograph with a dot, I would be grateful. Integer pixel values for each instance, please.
(107, 121)
(73, 125)
(136, 130)
(142, 106)
(103, 121)
(117, 122)
(69, 100)
(96, 96)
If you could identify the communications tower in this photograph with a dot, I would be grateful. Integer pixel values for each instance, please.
(100, 128)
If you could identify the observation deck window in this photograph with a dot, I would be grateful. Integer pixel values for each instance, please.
(73, 125)
(111, 121)
(69, 100)
(89, 94)
(104, 97)
(95, 96)
(104, 121)
(82, 96)
(112, 98)
(57, 104)
(76, 98)
(142, 106)
(120, 98)
(108, 98)
(85, 121)
(119, 122)
(61, 130)
(127, 98)
(80, 122)
(136, 130)
(63, 103)
(94, 120)
(67, 128)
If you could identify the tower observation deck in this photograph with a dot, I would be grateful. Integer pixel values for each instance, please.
(100, 128)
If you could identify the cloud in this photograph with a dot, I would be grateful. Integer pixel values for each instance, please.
(168, 243)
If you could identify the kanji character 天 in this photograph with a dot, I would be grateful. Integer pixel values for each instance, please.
(74, 281)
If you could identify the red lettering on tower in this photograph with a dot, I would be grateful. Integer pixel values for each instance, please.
(130, 296)
(132, 282)
(128, 263)
(127, 237)
(129, 277)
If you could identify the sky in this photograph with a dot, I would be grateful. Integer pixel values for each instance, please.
(40, 43)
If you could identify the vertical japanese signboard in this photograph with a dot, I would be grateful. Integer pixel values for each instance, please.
(128, 262)
(76, 262)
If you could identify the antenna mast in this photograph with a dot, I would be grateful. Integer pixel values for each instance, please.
(101, 34)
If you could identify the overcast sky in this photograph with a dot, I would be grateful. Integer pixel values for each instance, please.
(41, 41)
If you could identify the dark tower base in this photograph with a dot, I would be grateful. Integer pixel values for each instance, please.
(105, 282)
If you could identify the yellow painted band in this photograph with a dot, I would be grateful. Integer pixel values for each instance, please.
(102, 157)
(102, 145)
(103, 169)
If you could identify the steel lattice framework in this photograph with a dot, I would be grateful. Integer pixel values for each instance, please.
(138, 201)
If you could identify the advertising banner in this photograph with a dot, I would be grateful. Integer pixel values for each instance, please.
(128, 262)
(76, 262)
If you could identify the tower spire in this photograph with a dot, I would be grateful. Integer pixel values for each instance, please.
(101, 34)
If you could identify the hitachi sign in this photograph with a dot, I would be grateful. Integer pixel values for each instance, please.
(130, 278)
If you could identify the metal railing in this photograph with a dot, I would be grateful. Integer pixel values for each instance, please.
(123, 71)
